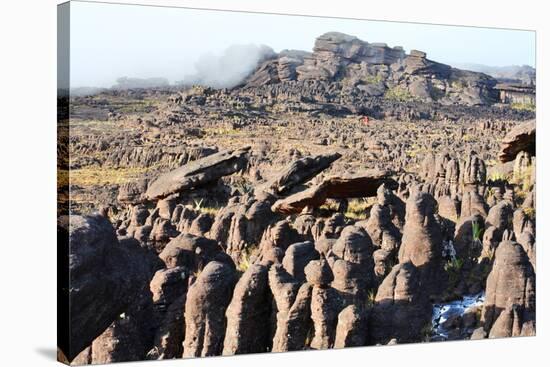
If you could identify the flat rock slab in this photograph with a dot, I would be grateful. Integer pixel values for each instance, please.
(360, 185)
(520, 138)
(197, 173)
(300, 171)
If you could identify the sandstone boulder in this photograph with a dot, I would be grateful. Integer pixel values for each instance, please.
(401, 308)
(520, 138)
(248, 314)
(197, 173)
(509, 307)
(359, 185)
(300, 171)
(105, 277)
(205, 307)
(422, 240)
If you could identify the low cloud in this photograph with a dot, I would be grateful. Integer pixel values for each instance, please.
(230, 68)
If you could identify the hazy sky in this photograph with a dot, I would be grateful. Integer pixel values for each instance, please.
(110, 40)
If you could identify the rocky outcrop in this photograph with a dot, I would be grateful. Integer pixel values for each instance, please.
(300, 171)
(473, 204)
(280, 235)
(520, 138)
(191, 253)
(205, 308)
(325, 307)
(353, 265)
(500, 216)
(351, 330)
(291, 245)
(249, 220)
(297, 256)
(121, 342)
(359, 185)
(105, 277)
(334, 51)
(169, 288)
(468, 238)
(509, 307)
(248, 314)
(401, 307)
(197, 173)
(473, 171)
(422, 241)
(132, 192)
(374, 69)
(380, 228)
(386, 197)
(291, 310)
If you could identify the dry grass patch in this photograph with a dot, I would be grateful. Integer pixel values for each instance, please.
(198, 205)
(246, 258)
(94, 175)
(523, 107)
(357, 208)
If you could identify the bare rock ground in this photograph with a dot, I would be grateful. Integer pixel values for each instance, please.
(274, 217)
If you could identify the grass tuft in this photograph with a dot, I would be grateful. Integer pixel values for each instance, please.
(245, 258)
(357, 208)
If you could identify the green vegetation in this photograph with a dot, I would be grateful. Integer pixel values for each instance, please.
(529, 212)
(496, 176)
(454, 265)
(477, 232)
(453, 268)
(244, 263)
(531, 107)
(399, 94)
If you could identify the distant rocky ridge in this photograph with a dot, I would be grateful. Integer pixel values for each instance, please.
(524, 74)
(345, 76)
(355, 68)
(342, 69)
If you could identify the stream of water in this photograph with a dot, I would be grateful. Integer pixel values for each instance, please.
(444, 311)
